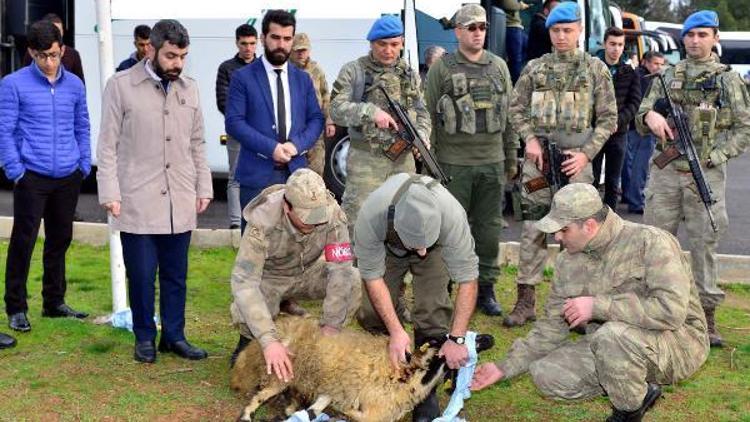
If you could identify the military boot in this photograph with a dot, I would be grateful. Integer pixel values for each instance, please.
(428, 410)
(714, 337)
(244, 341)
(486, 301)
(652, 394)
(524, 311)
(291, 307)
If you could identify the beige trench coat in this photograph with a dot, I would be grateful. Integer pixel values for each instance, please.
(151, 153)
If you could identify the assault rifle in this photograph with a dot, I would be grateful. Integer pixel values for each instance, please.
(553, 176)
(407, 138)
(684, 148)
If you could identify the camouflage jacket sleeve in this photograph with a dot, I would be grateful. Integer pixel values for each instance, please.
(433, 90)
(519, 114)
(739, 134)
(325, 96)
(547, 334)
(341, 289)
(424, 124)
(344, 110)
(246, 278)
(511, 143)
(605, 108)
(664, 305)
(647, 104)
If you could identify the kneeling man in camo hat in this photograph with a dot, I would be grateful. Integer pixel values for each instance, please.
(630, 288)
(295, 246)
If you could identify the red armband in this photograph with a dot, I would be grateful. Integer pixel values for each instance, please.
(338, 252)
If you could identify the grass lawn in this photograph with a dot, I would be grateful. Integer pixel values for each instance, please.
(72, 370)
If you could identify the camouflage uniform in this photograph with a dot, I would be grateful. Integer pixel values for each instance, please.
(718, 108)
(276, 262)
(317, 154)
(355, 98)
(569, 98)
(647, 323)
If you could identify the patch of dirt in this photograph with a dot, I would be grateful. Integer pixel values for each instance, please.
(734, 301)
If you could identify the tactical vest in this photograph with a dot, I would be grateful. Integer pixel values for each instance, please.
(474, 103)
(562, 101)
(392, 240)
(704, 100)
(398, 84)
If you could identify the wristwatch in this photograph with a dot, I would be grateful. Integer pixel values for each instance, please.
(456, 339)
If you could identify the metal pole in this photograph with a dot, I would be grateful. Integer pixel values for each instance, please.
(106, 69)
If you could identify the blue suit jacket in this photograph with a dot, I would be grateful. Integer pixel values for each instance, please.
(250, 119)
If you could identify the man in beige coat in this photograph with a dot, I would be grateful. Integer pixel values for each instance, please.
(153, 180)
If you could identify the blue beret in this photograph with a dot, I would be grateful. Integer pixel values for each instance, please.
(565, 12)
(387, 26)
(700, 19)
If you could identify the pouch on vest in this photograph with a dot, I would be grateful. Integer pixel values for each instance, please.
(705, 128)
(544, 110)
(460, 84)
(447, 114)
(724, 119)
(496, 117)
(468, 116)
(568, 112)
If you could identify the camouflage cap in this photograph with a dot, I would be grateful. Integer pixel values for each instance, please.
(573, 202)
(301, 42)
(417, 217)
(306, 192)
(470, 13)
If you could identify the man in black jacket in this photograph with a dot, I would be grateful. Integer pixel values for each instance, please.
(628, 94)
(141, 41)
(539, 42)
(246, 38)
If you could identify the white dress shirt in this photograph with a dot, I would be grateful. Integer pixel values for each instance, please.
(271, 73)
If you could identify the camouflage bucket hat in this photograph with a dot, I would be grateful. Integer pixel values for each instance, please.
(573, 202)
(417, 217)
(306, 192)
(301, 42)
(471, 13)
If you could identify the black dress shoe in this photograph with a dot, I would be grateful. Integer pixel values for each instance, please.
(145, 351)
(182, 349)
(6, 341)
(63, 311)
(19, 322)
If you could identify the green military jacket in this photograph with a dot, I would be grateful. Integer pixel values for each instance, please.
(450, 93)
(567, 97)
(637, 275)
(272, 247)
(716, 102)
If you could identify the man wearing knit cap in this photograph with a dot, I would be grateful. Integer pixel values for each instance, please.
(717, 104)
(629, 287)
(468, 94)
(568, 98)
(412, 223)
(295, 246)
(301, 48)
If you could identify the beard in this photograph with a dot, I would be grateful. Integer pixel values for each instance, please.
(169, 74)
(276, 57)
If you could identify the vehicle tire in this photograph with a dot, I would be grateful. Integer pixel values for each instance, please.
(334, 173)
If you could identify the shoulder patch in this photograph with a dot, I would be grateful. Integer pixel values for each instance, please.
(338, 252)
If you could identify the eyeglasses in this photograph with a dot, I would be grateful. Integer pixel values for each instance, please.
(474, 27)
(45, 56)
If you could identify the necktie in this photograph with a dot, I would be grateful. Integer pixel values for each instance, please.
(280, 107)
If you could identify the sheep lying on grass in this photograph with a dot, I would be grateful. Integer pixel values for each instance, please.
(349, 372)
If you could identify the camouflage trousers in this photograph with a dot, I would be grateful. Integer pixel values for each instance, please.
(365, 172)
(312, 284)
(671, 196)
(432, 310)
(479, 189)
(620, 359)
(533, 249)
(316, 156)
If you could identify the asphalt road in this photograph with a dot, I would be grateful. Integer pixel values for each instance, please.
(735, 241)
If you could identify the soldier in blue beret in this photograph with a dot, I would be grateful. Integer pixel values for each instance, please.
(566, 12)
(388, 26)
(717, 104)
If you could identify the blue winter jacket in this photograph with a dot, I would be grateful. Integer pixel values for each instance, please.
(44, 127)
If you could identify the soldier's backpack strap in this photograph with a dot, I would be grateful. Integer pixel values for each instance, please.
(362, 82)
(392, 240)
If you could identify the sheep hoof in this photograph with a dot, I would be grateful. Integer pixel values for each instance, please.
(245, 417)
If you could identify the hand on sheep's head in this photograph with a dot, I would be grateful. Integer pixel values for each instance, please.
(398, 345)
(277, 361)
(485, 375)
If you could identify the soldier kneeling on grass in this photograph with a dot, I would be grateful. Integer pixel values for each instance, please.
(296, 246)
(629, 286)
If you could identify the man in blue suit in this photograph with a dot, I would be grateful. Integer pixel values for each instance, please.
(272, 111)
